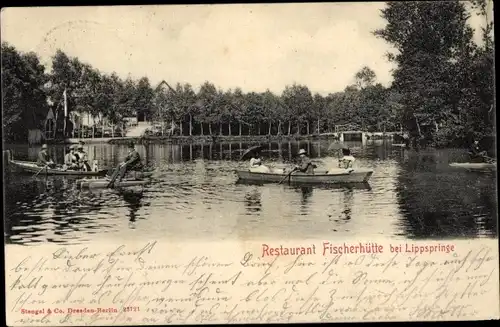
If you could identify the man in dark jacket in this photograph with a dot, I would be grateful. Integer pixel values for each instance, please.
(132, 162)
(305, 164)
(475, 152)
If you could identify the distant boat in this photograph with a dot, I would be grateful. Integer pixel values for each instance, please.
(475, 166)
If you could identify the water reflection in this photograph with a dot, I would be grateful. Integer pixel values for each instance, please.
(133, 199)
(253, 201)
(410, 195)
(307, 192)
(437, 202)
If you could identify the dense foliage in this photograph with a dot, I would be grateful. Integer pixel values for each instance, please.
(442, 89)
(445, 79)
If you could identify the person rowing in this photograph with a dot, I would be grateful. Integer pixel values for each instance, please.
(71, 160)
(132, 162)
(305, 164)
(256, 165)
(44, 159)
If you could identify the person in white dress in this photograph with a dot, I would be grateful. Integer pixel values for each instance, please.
(256, 165)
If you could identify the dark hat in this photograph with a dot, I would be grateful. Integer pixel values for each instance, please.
(131, 145)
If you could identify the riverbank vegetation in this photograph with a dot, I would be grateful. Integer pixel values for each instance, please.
(442, 92)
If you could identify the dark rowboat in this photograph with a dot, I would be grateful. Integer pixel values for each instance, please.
(31, 167)
(333, 177)
(103, 183)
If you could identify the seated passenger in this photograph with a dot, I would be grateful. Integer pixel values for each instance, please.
(82, 158)
(256, 165)
(347, 160)
(70, 159)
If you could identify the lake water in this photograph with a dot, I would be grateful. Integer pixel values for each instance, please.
(411, 195)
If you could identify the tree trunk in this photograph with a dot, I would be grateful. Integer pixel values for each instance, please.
(308, 128)
(112, 131)
(190, 125)
(180, 127)
(220, 129)
(279, 127)
(319, 132)
(289, 127)
(258, 129)
(239, 123)
(201, 128)
(210, 129)
(229, 126)
(93, 131)
(270, 125)
(298, 128)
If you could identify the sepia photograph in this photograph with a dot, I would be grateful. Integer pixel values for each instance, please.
(342, 122)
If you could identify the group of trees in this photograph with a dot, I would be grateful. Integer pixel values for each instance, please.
(442, 89)
(296, 111)
(29, 92)
(445, 79)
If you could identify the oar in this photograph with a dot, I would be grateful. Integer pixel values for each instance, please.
(114, 176)
(40, 171)
(287, 176)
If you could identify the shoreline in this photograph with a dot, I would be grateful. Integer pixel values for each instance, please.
(197, 139)
(226, 138)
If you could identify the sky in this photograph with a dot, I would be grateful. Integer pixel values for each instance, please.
(251, 46)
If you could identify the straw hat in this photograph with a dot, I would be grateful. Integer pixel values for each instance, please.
(44, 146)
(302, 151)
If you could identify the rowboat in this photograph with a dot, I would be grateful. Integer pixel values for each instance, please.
(31, 167)
(477, 166)
(336, 176)
(103, 183)
(331, 186)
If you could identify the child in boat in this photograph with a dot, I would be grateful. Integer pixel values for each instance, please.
(44, 159)
(347, 160)
(256, 165)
